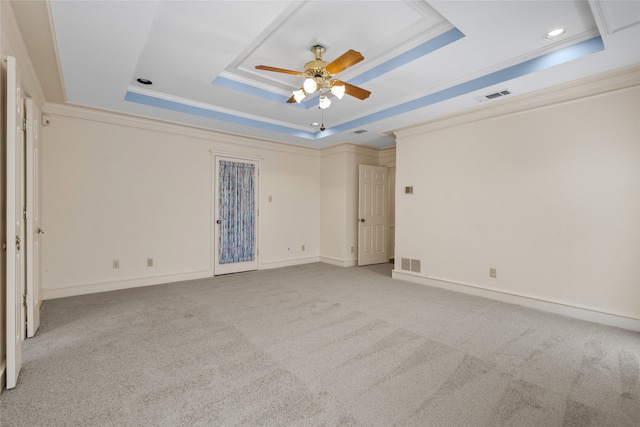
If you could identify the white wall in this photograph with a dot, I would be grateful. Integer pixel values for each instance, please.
(549, 196)
(339, 199)
(128, 189)
(333, 207)
(121, 188)
(292, 219)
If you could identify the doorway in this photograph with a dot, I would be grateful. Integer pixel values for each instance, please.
(235, 215)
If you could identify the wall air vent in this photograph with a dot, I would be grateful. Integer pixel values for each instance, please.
(407, 264)
(494, 95)
(358, 132)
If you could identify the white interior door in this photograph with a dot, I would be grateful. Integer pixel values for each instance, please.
(372, 208)
(14, 201)
(235, 215)
(32, 225)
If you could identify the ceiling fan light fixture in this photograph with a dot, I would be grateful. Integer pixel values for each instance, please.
(299, 95)
(310, 85)
(324, 101)
(319, 77)
(338, 91)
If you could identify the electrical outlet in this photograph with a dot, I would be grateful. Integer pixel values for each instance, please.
(270, 199)
(351, 249)
(493, 273)
(303, 247)
(149, 262)
(116, 263)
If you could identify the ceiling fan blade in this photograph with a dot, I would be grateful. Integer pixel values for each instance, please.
(279, 70)
(344, 61)
(355, 91)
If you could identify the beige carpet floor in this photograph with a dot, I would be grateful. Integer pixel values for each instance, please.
(318, 345)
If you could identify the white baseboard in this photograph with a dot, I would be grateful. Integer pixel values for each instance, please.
(581, 313)
(339, 262)
(288, 262)
(92, 288)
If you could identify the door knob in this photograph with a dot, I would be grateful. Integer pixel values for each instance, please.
(362, 220)
(218, 222)
(39, 231)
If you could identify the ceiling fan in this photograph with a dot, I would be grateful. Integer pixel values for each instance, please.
(319, 77)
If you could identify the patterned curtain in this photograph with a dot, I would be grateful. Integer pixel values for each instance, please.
(237, 212)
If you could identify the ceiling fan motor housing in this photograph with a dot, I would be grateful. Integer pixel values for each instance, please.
(316, 69)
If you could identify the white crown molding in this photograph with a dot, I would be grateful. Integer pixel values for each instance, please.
(381, 156)
(620, 79)
(127, 120)
(349, 147)
(387, 157)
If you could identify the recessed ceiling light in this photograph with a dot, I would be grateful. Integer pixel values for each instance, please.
(315, 124)
(144, 81)
(555, 34)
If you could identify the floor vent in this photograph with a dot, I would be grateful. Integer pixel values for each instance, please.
(494, 95)
(410, 265)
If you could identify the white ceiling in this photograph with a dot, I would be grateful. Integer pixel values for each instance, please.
(423, 60)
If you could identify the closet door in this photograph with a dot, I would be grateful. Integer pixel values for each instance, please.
(32, 227)
(14, 233)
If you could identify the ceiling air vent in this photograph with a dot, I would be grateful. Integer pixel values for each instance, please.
(495, 95)
(358, 132)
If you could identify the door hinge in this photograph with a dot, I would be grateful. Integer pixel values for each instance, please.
(4, 246)
(24, 300)
(24, 123)
(24, 212)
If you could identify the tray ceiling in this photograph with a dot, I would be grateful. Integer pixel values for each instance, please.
(423, 60)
